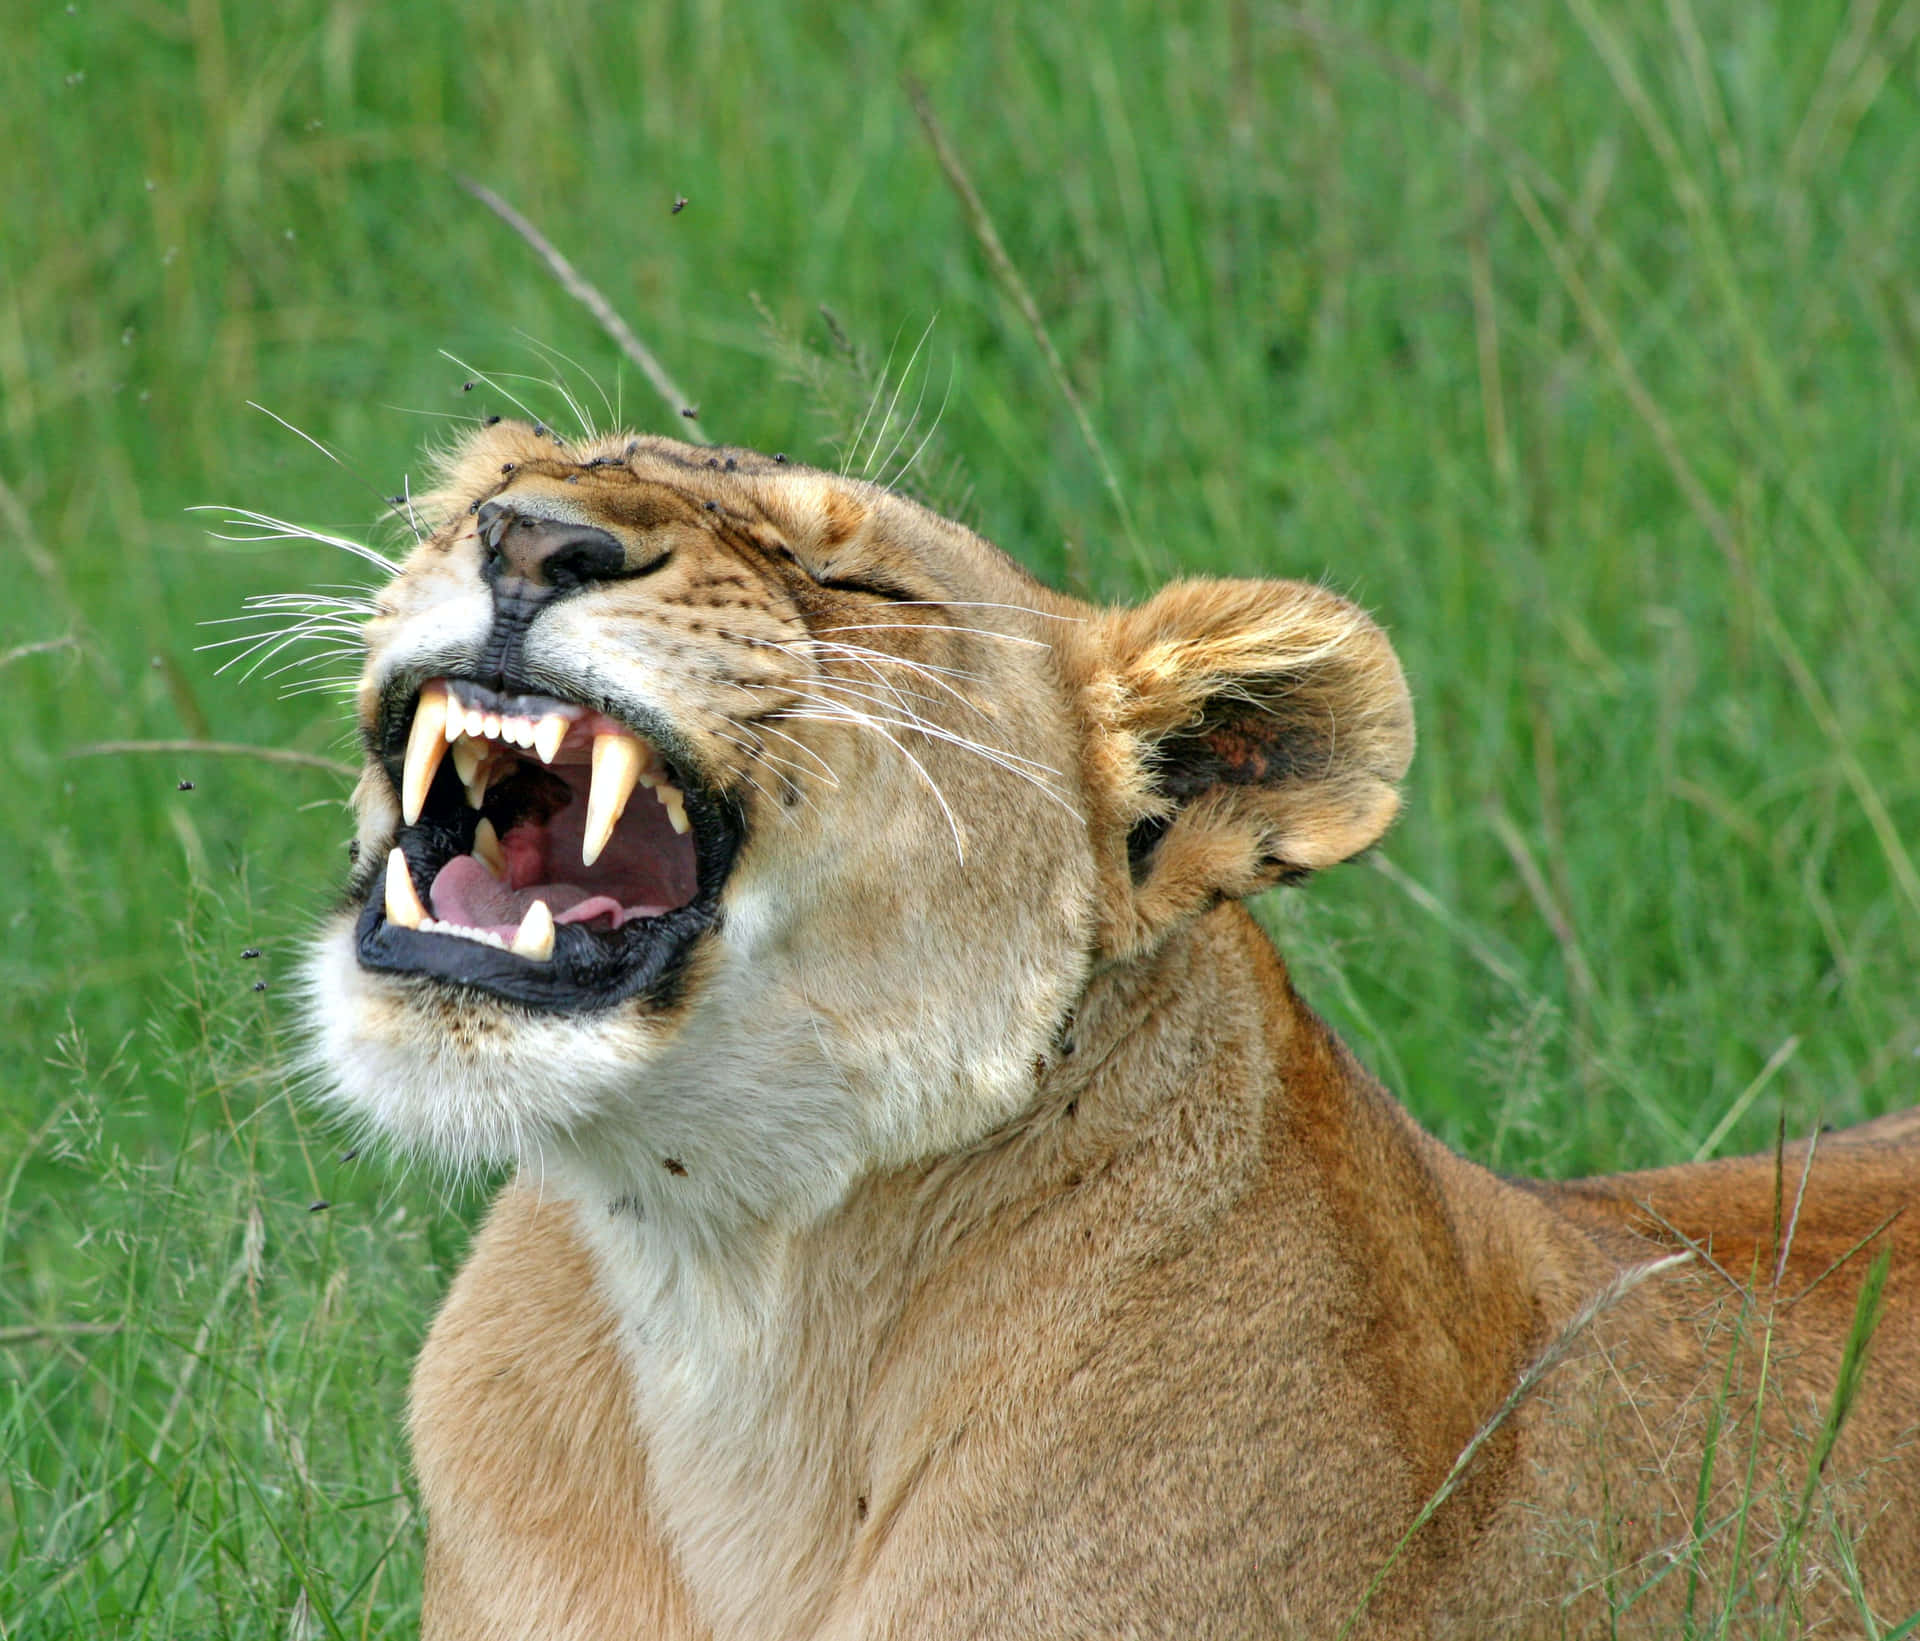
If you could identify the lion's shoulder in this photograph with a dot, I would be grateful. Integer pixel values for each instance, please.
(524, 1437)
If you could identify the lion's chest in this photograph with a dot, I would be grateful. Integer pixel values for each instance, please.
(739, 1392)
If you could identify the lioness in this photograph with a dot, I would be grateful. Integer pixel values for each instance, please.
(937, 1215)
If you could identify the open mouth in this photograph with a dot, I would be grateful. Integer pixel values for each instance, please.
(549, 853)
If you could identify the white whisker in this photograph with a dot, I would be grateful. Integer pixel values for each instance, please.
(910, 626)
(830, 710)
(297, 432)
(762, 726)
(764, 755)
(892, 699)
(262, 659)
(985, 604)
(860, 652)
(482, 376)
(338, 461)
(314, 660)
(267, 528)
(905, 376)
(898, 694)
(582, 421)
(761, 754)
(299, 630)
(343, 683)
(939, 416)
(473, 420)
(406, 497)
(321, 621)
(1012, 763)
(253, 641)
(880, 387)
(871, 660)
(257, 603)
(552, 353)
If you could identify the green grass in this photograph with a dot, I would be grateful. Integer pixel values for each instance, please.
(1581, 343)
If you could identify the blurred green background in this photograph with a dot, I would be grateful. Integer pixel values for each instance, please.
(1581, 343)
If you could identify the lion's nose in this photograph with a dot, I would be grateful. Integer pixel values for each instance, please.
(545, 554)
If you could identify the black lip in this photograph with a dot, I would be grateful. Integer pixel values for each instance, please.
(590, 969)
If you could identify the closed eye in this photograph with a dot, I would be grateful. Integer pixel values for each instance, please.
(868, 583)
(871, 585)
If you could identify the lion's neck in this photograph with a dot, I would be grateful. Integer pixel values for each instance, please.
(760, 1363)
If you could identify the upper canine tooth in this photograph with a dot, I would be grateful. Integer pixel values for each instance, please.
(616, 766)
(534, 937)
(403, 902)
(548, 734)
(426, 746)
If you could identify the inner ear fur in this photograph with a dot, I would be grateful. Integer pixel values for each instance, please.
(1244, 733)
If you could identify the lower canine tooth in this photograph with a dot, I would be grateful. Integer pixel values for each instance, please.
(487, 850)
(403, 903)
(468, 755)
(616, 766)
(425, 749)
(534, 937)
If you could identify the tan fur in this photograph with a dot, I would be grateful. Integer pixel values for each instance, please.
(989, 1241)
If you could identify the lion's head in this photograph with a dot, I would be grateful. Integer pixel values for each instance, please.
(727, 813)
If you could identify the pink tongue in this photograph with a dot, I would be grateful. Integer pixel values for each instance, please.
(466, 893)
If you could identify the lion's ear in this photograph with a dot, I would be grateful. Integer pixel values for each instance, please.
(1244, 733)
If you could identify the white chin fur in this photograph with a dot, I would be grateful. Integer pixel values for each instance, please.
(765, 1126)
(471, 1097)
(762, 1123)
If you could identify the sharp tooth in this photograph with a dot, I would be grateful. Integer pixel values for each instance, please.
(548, 735)
(616, 766)
(534, 937)
(425, 749)
(674, 801)
(403, 904)
(477, 787)
(468, 754)
(487, 850)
